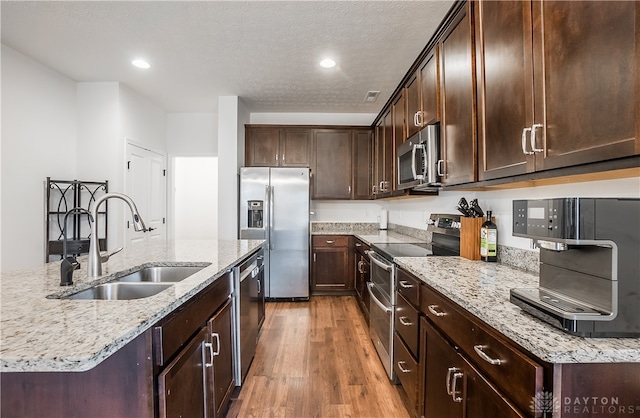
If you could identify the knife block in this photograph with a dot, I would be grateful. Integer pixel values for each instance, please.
(470, 237)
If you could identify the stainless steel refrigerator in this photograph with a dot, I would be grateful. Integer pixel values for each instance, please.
(274, 206)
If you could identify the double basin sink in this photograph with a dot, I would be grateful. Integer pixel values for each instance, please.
(142, 283)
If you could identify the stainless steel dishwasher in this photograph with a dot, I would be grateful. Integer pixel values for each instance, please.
(247, 303)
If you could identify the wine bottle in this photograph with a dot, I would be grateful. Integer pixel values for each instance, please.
(489, 240)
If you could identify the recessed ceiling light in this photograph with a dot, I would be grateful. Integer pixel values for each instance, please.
(141, 64)
(327, 63)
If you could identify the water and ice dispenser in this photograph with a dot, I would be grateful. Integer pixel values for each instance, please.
(255, 214)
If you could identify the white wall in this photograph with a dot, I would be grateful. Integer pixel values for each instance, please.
(196, 197)
(110, 114)
(232, 116)
(354, 119)
(192, 135)
(38, 140)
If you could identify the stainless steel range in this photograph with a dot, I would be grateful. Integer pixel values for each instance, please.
(445, 241)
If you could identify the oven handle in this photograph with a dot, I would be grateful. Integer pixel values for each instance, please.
(380, 262)
(375, 299)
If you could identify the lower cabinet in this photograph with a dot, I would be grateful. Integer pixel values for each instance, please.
(220, 330)
(188, 370)
(330, 271)
(193, 352)
(453, 387)
(361, 275)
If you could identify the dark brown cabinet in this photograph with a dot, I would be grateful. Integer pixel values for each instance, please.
(384, 157)
(188, 370)
(220, 336)
(457, 88)
(196, 376)
(558, 84)
(361, 274)
(430, 89)
(453, 387)
(271, 146)
(330, 264)
(399, 118)
(332, 164)
(362, 164)
(413, 102)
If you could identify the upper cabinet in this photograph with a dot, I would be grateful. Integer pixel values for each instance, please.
(457, 89)
(422, 94)
(277, 146)
(363, 150)
(384, 179)
(558, 84)
(332, 164)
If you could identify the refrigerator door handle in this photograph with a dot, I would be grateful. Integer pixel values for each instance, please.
(271, 221)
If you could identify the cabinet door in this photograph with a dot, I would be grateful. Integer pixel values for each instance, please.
(587, 97)
(399, 118)
(220, 335)
(412, 92)
(331, 266)
(430, 88)
(362, 164)
(332, 164)
(387, 148)
(295, 145)
(458, 107)
(443, 371)
(181, 386)
(505, 86)
(262, 147)
(482, 400)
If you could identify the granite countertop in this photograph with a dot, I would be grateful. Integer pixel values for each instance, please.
(40, 333)
(369, 233)
(483, 290)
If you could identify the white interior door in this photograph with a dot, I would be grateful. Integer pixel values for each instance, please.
(146, 185)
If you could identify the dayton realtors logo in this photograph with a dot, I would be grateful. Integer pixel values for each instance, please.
(605, 406)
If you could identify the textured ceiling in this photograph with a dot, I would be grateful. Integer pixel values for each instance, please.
(266, 52)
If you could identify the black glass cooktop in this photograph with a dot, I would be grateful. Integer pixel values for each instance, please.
(420, 249)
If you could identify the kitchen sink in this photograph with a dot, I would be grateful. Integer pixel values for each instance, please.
(159, 274)
(120, 291)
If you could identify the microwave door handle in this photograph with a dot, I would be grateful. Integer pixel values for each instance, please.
(425, 161)
(416, 176)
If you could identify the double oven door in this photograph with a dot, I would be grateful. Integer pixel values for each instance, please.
(381, 288)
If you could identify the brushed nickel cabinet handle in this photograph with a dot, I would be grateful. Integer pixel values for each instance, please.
(524, 142)
(405, 321)
(216, 337)
(210, 348)
(402, 368)
(479, 350)
(534, 128)
(330, 241)
(405, 284)
(432, 309)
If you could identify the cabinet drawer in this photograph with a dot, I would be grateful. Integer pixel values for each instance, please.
(409, 287)
(175, 330)
(407, 371)
(406, 324)
(509, 368)
(330, 240)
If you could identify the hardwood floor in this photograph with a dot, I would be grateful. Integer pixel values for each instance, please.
(315, 359)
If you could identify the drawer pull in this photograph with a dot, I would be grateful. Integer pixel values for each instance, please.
(405, 284)
(405, 321)
(432, 309)
(402, 368)
(358, 244)
(452, 383)
(330, 241)
(478, 349)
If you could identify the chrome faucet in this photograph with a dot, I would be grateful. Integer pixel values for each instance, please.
(95, 260)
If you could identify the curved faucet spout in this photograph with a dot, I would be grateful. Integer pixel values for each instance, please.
(94, 262)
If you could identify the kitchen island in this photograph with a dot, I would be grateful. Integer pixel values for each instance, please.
(41, 332)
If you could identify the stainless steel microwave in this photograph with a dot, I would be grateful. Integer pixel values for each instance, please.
(418, 160)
